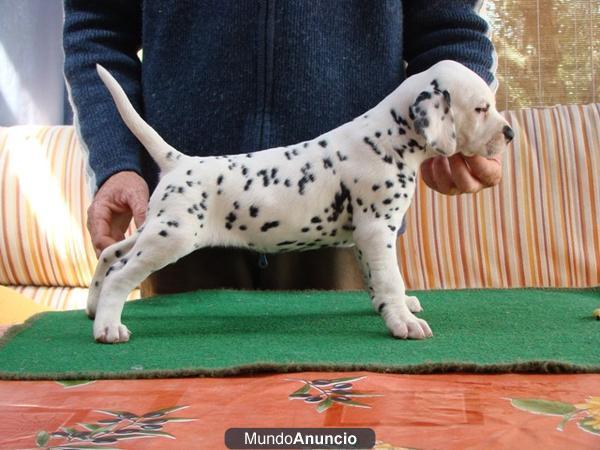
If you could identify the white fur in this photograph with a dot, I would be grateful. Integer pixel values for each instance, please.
(197, 197)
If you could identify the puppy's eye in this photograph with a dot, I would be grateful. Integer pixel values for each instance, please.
(482, 109)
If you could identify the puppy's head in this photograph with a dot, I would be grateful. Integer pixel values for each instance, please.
(455, 110)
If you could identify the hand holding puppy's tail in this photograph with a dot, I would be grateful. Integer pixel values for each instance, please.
(164, 155)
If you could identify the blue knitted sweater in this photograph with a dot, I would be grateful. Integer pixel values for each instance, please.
(232, 76)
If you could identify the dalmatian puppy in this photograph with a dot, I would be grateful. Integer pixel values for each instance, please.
(348, 187)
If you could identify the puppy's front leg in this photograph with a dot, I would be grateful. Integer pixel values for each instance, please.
(376, 251)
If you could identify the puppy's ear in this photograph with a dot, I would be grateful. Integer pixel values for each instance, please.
(432, 118)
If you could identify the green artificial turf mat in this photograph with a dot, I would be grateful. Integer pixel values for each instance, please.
(223, 332)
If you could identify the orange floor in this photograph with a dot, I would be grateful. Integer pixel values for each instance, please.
(406, 411)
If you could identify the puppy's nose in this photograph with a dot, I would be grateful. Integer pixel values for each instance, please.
(508, 133)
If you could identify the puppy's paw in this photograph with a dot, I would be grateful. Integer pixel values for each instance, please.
(111, 333)
(407, 326)
(413, 304)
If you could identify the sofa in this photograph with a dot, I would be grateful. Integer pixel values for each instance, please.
(539, 228)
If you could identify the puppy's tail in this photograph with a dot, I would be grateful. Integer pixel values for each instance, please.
(164, 155)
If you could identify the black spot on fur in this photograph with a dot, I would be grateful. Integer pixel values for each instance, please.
(253, 211)
(371, 144)
(341, 197)
(307, 177)
(381, 306)
(425, 95)
(163, 233)
(323, 143)
(265, 176)
(447, 99)
(399, 119)
(340, 156)
(268, 225)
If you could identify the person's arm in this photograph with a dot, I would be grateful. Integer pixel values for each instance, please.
(107, 32)
(435, 30)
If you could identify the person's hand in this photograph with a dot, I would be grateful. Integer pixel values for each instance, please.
(461, 174)
(123, 195)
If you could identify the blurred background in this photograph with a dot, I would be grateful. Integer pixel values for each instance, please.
(548, 54)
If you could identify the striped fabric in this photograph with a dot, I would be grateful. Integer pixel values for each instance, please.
(540, 227)
(61, 298)
(43, 240)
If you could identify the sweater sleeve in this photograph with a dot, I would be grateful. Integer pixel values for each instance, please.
(108, 33)
(435, 30)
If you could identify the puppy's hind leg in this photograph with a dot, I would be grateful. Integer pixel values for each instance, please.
(155, 248)
(108, 256)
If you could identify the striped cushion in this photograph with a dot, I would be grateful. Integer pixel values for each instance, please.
(43, 240)
(61, 298)
(540, 227)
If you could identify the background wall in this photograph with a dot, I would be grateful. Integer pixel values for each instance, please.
(31, 59)
(548, 51)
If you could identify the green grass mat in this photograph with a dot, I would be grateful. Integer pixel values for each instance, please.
(218, 333)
